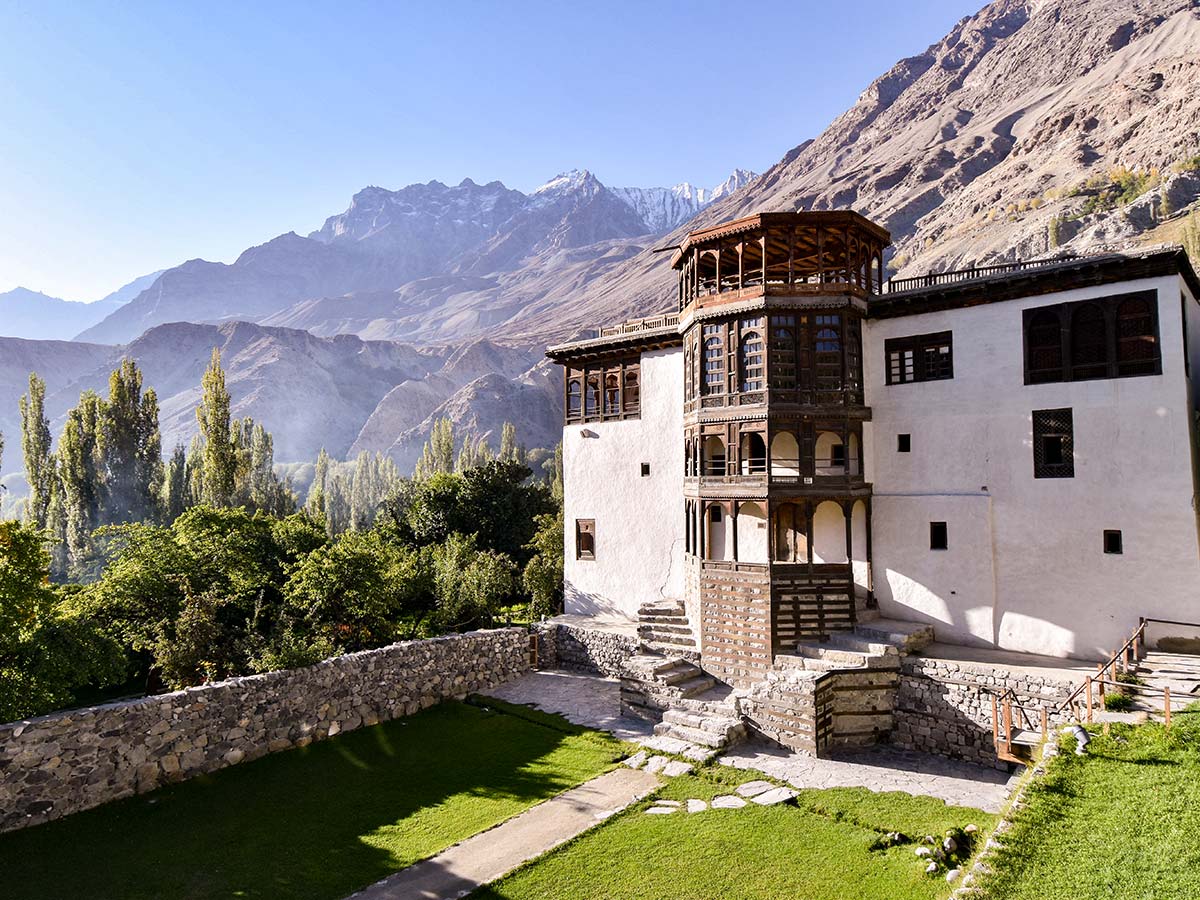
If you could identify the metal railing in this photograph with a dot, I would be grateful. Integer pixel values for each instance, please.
(933, 279)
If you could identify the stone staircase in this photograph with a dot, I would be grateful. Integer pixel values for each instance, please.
(686, 703)
(846, 650)
(664, 626)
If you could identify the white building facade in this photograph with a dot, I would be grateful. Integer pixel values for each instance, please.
(1010, 457)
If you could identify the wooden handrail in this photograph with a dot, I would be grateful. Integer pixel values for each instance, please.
(1135, 642)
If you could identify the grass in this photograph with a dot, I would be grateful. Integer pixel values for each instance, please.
(318, 822)
(825, 848)
(1121, 821)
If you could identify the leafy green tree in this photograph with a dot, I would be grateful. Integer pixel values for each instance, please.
(129, 448)
(433, 512)
(218, 468)
(359, 591)
(35, 442)
(499, 503)
(510, 450)
(470, 585)
(46, 652)
(543, 574)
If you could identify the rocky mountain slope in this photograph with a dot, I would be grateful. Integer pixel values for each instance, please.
(388, 239)
(1033, 127)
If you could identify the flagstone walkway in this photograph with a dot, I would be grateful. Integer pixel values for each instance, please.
(492, 853)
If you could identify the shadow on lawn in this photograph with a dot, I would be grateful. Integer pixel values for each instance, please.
(317, 822)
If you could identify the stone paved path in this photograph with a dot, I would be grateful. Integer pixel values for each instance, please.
(490, 854)
(595, 702)
(881, 769)
(583, 699)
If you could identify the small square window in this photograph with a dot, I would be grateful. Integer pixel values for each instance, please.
(645, 469)
(1112, 541)
(585, 538)
(837, 456)
(714, 514)
(937, 536)
(904, 443)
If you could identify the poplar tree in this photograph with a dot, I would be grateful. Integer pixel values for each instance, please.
(510, 451)
(35, 443)
(218, 469)
(175, 495)
(130, 448)
(315, 504)
(438, 453)
(80, 476)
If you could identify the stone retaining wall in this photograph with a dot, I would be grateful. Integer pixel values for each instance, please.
(594, 650)
(944, 707)
(70, 761)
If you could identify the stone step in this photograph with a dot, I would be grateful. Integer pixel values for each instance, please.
(731, 732)
(907, 637)
(672, 640)
(663, 628)
(697, 685)
(662, 609)
(652, 664)
(657, 621)
(832, 654)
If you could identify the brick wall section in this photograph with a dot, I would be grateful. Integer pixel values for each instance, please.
(593, 650)
(69, 761)
(943, 707)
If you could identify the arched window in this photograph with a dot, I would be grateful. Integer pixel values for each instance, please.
(1045, 355)
(1137, 344)
(688, 362)
(752, 362)
(714, 364)
(591, 396)
(574, 399)
(612, 395)
(828, 334)
(1089, 343)
(632, 394)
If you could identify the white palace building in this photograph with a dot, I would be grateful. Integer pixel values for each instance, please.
(1007, 454)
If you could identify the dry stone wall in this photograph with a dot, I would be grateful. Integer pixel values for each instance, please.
(74, 760)
(945, 707)
(594, 650)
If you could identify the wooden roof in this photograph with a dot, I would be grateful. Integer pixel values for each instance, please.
(810, 219)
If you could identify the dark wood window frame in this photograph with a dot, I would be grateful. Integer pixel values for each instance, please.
(1129, 346)
(1053, 443)
(930, 357)
(608, 390)
(1114, 542)
(939, 536)
(585, 539)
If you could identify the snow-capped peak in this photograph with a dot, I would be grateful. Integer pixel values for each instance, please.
(664, 209)
(566, 182)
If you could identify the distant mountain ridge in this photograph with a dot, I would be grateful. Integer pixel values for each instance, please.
(37, 316)
(387, 239)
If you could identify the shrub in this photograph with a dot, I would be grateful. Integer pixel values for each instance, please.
(1118, 702)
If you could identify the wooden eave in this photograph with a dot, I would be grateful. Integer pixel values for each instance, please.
(610, 345)
(1086, 272)
(825, 218)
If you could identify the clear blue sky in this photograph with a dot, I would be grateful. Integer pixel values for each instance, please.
(134, 135)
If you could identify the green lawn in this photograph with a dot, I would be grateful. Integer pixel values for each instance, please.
(318, 822)
(824, 849)
(1123, 821)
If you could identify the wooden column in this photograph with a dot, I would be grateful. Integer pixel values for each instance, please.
(741, 259)
(734, 505)
(791, 239)
(808, 535)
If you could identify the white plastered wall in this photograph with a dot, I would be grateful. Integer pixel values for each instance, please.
(1025, 568)
(639, 519)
